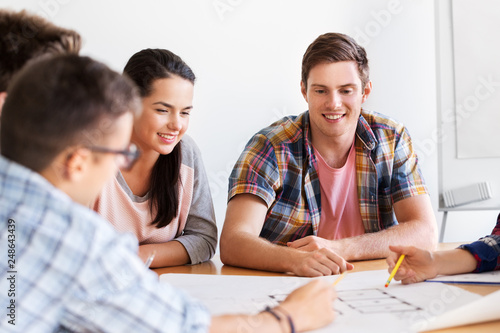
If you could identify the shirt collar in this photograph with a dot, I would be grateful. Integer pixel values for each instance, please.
(19, 175)
(363, 131)
(304, 118)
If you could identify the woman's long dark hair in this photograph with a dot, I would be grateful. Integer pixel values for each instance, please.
(144, 68)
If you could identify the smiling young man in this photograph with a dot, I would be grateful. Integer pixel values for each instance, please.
(336, 183)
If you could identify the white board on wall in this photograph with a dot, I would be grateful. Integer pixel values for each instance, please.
(477, 77)
(461, 162)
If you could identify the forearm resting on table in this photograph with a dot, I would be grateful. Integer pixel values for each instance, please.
(247, 250)
(306, 308)
(417, 227)
(171, 253)
(240, 244)
(376, 245)
(455, 261)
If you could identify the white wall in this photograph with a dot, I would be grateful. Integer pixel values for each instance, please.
(247, 56)
(454, 172)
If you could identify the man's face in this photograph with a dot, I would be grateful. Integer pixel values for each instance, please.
(334, 95)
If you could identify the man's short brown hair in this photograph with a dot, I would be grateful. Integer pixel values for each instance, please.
(24, 36)
(60, 102)
(335, 47)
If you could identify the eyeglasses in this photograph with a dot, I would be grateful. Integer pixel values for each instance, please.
(130, 155)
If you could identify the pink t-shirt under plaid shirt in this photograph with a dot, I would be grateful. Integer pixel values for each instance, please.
(340, 216)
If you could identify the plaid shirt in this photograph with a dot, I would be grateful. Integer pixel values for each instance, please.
(278, 166)
(486, 250)
(70, 271)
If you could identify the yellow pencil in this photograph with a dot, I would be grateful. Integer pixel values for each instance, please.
(339, 278)
(394, 270)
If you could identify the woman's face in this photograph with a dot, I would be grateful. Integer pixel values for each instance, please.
(165, 115)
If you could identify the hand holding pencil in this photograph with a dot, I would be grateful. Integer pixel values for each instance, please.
(418, 265)
(395, 269)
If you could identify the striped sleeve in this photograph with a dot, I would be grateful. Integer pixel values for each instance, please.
(407, 179)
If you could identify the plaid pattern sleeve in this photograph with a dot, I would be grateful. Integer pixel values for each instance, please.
(275, 167)
(256, 171)
(486, 250)
(407, 180)
(387, 169)
(73, 272)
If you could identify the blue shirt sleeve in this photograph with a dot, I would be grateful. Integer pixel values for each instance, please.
(486, 250)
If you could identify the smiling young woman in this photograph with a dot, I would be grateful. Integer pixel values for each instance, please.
(164, 199)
